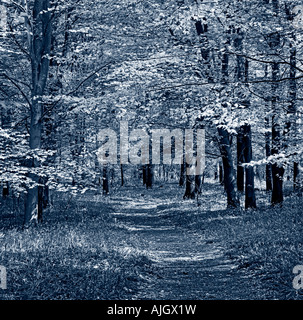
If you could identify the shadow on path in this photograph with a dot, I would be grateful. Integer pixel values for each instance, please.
(188, 265)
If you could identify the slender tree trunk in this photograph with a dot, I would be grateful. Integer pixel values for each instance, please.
(149, 176)
(198, 183)
(122, 175)
(268, 168)
(202, 31)
(105, 179)
(144, 174)
(250, 199)
(221, 175)
(295, 176)
(39, 35)
(40, 201)
(225, 146)
(229, 175)
(198, 177)
(277, 170)
(32, 199)
(240, 159)
(5, 190)
(182, 175)
(290, 131)
(190, 189)
(182, 168)
(240, 77)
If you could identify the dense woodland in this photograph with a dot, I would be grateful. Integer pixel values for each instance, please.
(69, 69)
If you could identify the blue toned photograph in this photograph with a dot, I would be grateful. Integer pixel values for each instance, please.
(152, 151)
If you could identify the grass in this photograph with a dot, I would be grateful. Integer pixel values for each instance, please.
(75, 254)
(79, 252)
(265, 243)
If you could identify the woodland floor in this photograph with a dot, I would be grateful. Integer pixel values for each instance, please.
(151, 244)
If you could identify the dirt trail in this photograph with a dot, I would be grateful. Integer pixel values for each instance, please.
(189, 264)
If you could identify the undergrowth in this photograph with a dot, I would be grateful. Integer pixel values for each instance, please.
(75, 254)
(266, 243)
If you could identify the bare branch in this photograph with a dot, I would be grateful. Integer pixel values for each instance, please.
(19, 88)
(88, 78)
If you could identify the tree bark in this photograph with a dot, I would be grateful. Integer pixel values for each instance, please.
(240, 159)
(277, 170)
(182, 175)
(39, 45)
(250, 199)
(221, 175)
(290, 131)
(149, 176)
(295, 176)
(105, 184)
(225, 145)
(268, 168)
(229, 176)
(198, 183)
(240, 76)
(5, 190)
(190, 189)
(144, 174)
(122, 175)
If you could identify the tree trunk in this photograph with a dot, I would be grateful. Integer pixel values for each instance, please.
(268, 168)
(221, 175)
(290, 131)
(229, 176)
(277, 170)
(5, 190)
(296, 174)
(240, 77)
(250, 199)
(122, 175)
(105, 179)
(189, 186)
(31, 208)
(225, 146)
(149, 176)
(144, 174)
(40, 202)
(39, 35)
(198, 183)
(240, 159)
(182, 175)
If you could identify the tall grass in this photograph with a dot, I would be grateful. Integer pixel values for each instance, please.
(75, 254)
(265, 243)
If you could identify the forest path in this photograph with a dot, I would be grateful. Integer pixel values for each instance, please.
(189, 263)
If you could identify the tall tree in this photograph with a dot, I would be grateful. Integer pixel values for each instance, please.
(277, 169)
(225, 141)
(39, 43)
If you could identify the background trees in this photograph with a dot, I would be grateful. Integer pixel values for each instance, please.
(69, 69)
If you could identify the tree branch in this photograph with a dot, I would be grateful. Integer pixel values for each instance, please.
(88, 78)
(19, 88)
